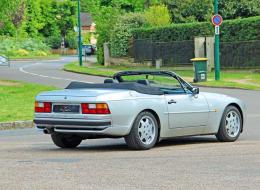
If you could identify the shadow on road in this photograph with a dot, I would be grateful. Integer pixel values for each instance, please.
(119, 144)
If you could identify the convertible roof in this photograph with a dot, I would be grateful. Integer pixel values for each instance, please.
(127, 86)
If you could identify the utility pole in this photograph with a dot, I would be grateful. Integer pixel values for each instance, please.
(79, 38)
(217, 64)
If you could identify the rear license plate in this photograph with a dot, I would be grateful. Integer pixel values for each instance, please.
(66, 108)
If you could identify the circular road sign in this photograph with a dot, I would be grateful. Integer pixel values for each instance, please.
(217, 20)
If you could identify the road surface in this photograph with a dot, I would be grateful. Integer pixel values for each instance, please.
(29, 160)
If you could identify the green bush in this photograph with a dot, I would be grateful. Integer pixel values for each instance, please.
(158, 15)
(122, 32)
(71, 41)
(238, 29)
(54, 42)
(22, 47)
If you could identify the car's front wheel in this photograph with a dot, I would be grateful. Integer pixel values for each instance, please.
(230, 125)
(144, 132)
(65, 141)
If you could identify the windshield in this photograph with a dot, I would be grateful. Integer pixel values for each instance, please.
(168, 84)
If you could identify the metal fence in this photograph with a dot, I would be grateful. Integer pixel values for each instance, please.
(232, 54)
(240, 54)
(170, 52)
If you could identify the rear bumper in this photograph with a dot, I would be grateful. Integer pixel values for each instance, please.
(83, 127)
(72, 123)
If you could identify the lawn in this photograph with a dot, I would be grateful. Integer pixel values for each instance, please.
(51, 56)
(244, 79)
(17, 100)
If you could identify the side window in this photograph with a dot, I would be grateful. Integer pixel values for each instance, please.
(168, 84)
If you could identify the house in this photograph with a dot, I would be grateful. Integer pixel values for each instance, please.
(88, 26)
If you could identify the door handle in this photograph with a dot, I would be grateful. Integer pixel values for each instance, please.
(172, 102)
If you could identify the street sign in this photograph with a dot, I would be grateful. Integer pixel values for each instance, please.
(217, 20)
(217, 30)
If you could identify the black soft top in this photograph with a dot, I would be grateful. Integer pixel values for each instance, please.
(125, 85)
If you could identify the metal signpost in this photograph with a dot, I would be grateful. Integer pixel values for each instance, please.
(216, 21)
(79, 40)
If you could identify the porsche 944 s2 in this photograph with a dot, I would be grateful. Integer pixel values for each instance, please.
(144, 107)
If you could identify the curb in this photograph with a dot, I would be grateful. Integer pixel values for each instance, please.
(16, 125)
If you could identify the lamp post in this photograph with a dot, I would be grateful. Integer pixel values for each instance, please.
(217, 64)
(79, 39)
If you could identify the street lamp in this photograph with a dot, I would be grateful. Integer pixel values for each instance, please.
(79, 40)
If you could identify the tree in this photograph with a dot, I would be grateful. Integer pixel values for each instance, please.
(122, 32)
(189, 10)
(10, 16)
(233, 9)
(158, 15)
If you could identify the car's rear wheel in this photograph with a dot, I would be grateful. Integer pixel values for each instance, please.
(230, 125)
(144, 132)
(65, 141)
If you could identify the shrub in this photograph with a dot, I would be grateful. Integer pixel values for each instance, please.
(22, 52)
(54, 42)
(40, 53)
(158, 15)
(71, 41)
(122, 32)
(238, 29)
(22, 47)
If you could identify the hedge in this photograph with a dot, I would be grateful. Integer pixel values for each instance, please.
(231, 30)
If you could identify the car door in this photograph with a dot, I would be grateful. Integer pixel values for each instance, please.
(187, 110)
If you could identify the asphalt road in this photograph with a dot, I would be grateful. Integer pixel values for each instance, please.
(29, 160)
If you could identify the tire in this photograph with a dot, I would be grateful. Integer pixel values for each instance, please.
(65, 141)
(230, 125)
(144, 132)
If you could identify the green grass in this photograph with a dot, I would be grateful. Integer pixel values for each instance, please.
(52, 56)
(17, 100)
(244, 79)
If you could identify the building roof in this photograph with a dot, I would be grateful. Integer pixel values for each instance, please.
(86, 19)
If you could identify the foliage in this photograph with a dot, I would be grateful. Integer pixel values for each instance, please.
(87, 38)
(125, 5)
(122, 32)
(53, 41)
(105, 21)
(22, 47)
(233, 9)
(37, 18)
(71, 41)
(158, 15)
(22, 52)
(189, 10)
(231, 30)
(241, 29)
(175, 32)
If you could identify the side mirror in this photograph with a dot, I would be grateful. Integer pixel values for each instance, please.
(195, 90)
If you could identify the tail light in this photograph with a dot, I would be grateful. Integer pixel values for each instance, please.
(95, 108)
(42, 107)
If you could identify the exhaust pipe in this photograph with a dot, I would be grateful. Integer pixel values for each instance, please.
(47, 131)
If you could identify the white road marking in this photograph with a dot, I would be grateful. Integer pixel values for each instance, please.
(22, 69)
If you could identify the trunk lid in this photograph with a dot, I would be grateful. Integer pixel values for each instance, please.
(80, 92)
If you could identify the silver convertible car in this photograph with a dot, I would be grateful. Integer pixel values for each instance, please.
(144, 107)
